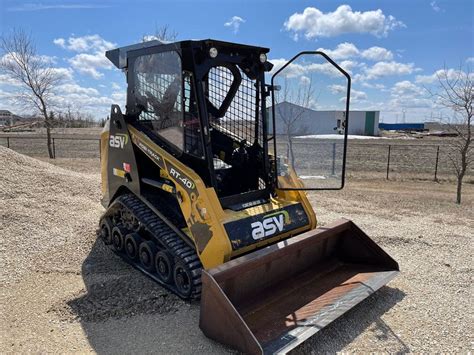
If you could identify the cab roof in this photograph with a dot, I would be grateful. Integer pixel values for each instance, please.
(119, 55)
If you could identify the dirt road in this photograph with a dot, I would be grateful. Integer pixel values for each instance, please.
(63, 291)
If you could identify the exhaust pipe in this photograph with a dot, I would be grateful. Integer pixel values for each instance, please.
(272, 300)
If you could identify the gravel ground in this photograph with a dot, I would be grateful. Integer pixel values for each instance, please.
(63, 291)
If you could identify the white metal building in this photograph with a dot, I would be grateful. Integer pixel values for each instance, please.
(303, 121)
(7, 118)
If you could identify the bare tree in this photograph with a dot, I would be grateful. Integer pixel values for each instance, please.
(21, 62)
(290, 107)
(162, 33)
(455, 91)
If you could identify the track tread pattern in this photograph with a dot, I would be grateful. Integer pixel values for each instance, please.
(165, 236)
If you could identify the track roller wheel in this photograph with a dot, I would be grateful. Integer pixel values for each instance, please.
(146, 252)
(118, 238)
(106, 230)
(182, 278)
(132, 241)
(164, 266)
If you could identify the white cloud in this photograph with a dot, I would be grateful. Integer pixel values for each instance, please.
(90, 64)
(377, 54)
(382, 69)
(337, 89)
(405, 94)
(342, 51)
(91, 57)
(8, 80)
(119, 97)
(61, 42)
(234, 22)
(470, 60)
(406, 87)
(349, 50)
(148, 38)
(374, 86)
(435, 6)
(90, 43)
(301, 68)
(430, 79)
(305, 80)
(314, 23)
(116, 86)
(73, 88)
(348, 65)
(356, 95)
(64, 73)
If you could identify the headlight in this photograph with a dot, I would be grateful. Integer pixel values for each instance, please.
(213, 52)
(263, 58)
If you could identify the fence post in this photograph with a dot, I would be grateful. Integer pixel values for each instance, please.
(54, 150)
(333, 168)
(8, 142)
(388, 160)
(100, 153)
(436, 165)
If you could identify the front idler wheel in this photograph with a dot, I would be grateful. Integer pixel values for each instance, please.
(106, 226)
(132, 241)
(146, 253)
(182, 279)
(164, 266)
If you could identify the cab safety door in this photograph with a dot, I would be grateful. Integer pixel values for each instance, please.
(309, 120)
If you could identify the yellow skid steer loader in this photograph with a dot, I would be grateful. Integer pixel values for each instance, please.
(204, 181)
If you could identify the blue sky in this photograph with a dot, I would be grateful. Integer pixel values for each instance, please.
(391, 48)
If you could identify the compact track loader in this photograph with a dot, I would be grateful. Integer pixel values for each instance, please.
(204, 181)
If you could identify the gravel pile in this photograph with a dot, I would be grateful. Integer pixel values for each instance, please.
(44, 210)
(63, 291)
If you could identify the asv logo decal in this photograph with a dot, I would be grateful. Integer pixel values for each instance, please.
(270, 225)
(118, 141)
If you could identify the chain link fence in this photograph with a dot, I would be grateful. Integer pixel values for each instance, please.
(398, 160)
(62, 147)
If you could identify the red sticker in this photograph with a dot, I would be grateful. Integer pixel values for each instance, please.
(127, 167)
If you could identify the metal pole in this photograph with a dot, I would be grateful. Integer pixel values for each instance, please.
(388, 160)
(333, 169)
(54, 150)
(8, 142)
(436, 165)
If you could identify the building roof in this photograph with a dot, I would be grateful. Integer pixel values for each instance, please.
(310, 109)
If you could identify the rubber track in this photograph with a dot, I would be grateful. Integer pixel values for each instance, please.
(172, 242)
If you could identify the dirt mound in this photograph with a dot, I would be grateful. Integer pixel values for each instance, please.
(44, 208)
(58, 279)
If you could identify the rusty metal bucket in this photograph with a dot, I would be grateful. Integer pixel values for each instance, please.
(271, 300)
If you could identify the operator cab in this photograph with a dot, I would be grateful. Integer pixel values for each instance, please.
(204, 102)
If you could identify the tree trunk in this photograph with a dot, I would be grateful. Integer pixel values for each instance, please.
(48, 141)
(47, 124)
(459, 190)
(291, 155)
